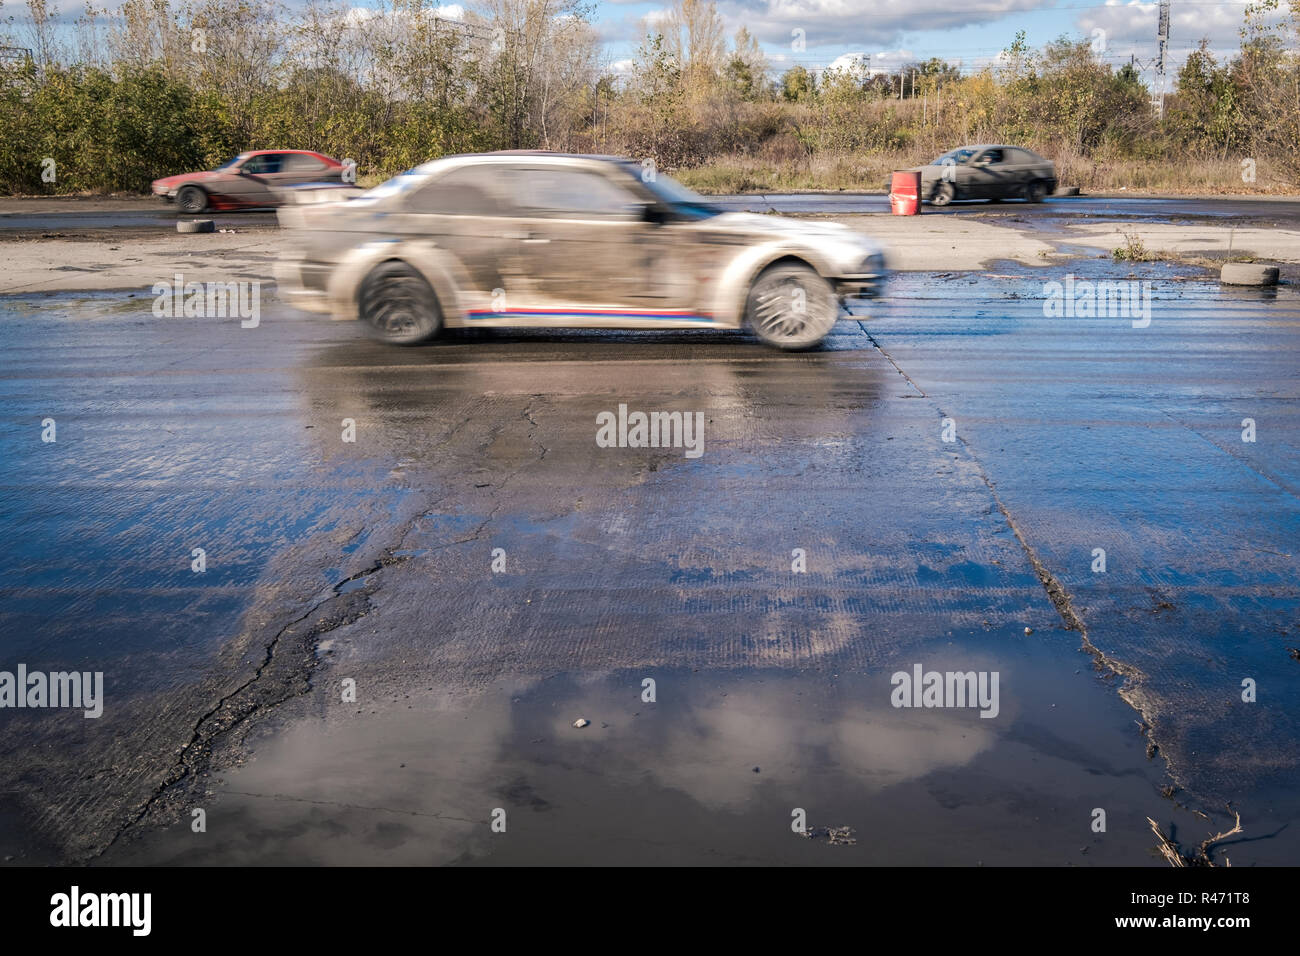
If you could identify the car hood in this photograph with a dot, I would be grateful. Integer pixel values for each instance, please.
(183, 178)
(779, 226)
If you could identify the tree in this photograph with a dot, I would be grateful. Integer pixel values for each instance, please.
(692, 32)
(527, 69)
(747, 67)
(798, 85)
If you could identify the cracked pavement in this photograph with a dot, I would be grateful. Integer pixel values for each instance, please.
(372, 561)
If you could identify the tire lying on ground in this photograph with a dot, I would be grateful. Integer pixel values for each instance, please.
(1247, 273)
(196, 225)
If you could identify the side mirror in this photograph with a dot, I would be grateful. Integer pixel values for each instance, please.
(653, 214)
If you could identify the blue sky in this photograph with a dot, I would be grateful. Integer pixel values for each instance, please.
(894, 32)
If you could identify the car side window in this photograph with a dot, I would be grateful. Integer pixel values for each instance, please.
(263, 164)
(301, 163)
(991, 157)
(560, 193)
(470, 191)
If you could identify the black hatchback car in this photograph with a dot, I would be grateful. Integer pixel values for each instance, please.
(987, 172)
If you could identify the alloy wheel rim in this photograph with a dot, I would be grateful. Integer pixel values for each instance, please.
(395, 307)
(776, 316)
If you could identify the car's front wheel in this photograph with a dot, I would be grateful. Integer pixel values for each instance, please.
(791, 307)
(944, 193)
(191, 200)
(397, 305)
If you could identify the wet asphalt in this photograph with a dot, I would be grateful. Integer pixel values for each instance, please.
(372, 561)
(68, 217)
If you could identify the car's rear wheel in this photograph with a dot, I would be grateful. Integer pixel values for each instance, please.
(791, 307)
(1036, 191)
(397, 305)
(191, 200)
(944, 193)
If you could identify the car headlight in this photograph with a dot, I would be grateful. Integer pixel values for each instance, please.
(873, 263)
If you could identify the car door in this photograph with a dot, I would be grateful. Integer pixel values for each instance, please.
(592, 248)
(251, 185)
(469, 212)
(1021, 170)
(987, 174)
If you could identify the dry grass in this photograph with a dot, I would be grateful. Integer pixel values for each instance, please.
(849, 172)
(868, 172)
(1133, 250)
(1175, 857)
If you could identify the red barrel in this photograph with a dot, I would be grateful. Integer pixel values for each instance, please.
(905, 194)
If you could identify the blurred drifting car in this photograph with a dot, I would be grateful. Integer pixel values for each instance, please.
(987, 172)
(302, 193)
(253, 179)
(558, 241)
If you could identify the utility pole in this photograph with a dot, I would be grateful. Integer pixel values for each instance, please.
(1162, 42)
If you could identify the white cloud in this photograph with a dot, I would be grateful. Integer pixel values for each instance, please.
(862, 23)
(1131, 28)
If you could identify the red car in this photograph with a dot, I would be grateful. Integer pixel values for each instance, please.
(250, 180)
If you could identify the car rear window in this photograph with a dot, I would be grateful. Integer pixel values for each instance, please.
(301, 163)
(471, 191)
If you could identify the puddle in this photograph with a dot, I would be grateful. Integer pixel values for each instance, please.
(714, 770)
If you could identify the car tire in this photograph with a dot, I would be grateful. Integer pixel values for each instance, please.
(1036, 191)
(191, 200)
(398, 306)
(943, 194)
(791, 307)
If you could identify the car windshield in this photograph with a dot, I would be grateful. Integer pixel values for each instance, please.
(399, 183)
(955, 157)
(676, 196)
(231, 161)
